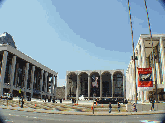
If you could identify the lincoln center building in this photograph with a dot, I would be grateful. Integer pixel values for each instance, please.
(22, 75)
(143, 52)
(110, 84)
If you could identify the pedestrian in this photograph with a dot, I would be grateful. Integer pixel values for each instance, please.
(152, 108)
(118, 106)
(110, 107)
(22, 102)
(134, 107)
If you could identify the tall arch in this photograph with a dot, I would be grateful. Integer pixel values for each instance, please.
(72, 84)
(83, 84)
(106, 84)
(118, 84)
(92, 78)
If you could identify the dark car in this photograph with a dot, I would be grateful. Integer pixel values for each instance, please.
(103, 101)
(107, 100)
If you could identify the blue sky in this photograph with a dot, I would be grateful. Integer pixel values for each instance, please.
(79, 35)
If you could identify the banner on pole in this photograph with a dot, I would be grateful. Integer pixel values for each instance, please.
(145, 78)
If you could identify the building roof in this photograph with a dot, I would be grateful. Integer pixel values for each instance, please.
(6, 38)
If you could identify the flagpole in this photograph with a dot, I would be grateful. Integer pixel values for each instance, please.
(153, 56)
(134, 75)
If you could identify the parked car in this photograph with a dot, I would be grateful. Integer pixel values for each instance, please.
(107, 100)
(103, 101)
(7, 96)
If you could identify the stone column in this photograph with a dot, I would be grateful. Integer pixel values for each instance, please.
(66, 88)
(83, 87)
(154, 75)
(124, 86)
(12, 73)
(130, 82)
(162, 52)
(16, 75)
(25, 80)
(101, 86)
(139, 65)
(78, 87)
(112, 85)
(32, 80)
(3, 70)
(46, 82)
(133, 79)
(147, 65)
(157, 66)
(55, 81)
(38, 76)
(139, 56)
(52, 85)
(55, 84)
(89, 86)
(143, 54)
(136, 62)
(158, 71)
(127, 83)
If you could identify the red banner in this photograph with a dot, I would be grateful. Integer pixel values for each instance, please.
(145, 77)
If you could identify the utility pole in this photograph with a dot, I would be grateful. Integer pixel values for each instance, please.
(153, 57)
(134, 75)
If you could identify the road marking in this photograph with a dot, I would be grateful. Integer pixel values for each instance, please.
(150, 121)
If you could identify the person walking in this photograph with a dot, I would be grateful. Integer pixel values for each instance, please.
(134, 107)
(110, 107)
(152, 108)
(22, 102)
(118, 106)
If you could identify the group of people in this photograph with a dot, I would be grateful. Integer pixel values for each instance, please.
(118, 107)
(110, 107)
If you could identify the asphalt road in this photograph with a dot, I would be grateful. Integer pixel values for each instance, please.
(29, 117)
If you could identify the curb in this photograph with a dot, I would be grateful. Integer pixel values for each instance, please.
(83, 113)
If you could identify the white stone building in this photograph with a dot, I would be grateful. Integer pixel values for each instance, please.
(19, 71)
(143, 51)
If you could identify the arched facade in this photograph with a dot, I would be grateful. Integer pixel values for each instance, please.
(93, 76)
(118, 84)
(107, 83)
(72, 84)
(84, 84)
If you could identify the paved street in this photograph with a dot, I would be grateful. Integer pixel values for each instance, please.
(26, 117)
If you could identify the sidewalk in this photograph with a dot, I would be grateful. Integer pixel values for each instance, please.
(100, 113)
